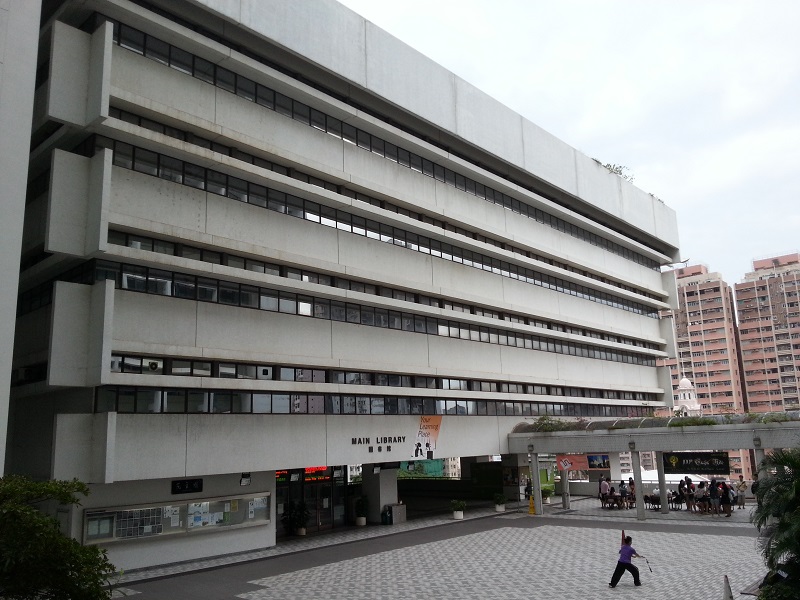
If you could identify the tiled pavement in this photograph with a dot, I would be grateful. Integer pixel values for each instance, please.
(564, 554)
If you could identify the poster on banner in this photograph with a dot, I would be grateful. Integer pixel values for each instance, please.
(598, 461)
(427, 437)
(572, 462)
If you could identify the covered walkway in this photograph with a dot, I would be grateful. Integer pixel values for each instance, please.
(627, 437)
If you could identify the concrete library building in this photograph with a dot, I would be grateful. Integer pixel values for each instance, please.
(258, 241)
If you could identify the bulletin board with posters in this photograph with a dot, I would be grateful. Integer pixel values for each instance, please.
(122, 523)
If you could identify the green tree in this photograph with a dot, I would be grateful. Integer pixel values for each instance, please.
(777, 516)
(38, 562)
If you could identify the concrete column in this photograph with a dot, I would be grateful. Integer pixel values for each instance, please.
(19, 33)
(636, 464)
(379, 488)
(536, 482)
(662, 482)
(759, 452)
(565, 489)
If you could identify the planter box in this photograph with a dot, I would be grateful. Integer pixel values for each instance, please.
(458, 515)
(499, 508)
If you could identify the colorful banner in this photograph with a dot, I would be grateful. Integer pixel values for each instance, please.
(572, 462)
(427, 436)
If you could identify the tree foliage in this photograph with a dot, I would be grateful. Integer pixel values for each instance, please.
(777, 516)
(38, 562)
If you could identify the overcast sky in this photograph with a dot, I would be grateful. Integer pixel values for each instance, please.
(700, 100)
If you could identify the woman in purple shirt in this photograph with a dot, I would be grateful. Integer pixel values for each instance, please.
(626, 552)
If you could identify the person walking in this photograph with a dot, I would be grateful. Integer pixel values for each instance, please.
(626, 552)
(741, 489)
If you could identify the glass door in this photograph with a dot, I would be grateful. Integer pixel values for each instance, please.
(317, 496)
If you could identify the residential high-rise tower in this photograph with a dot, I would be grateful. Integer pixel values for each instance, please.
(769, 320)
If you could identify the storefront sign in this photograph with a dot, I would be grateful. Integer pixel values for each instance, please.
(702, 463)
(316, 474)
(187, 486)
(378, 443)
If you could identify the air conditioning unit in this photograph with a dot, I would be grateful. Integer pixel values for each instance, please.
(135, 244)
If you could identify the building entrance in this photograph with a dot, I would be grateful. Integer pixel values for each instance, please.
(322, 489)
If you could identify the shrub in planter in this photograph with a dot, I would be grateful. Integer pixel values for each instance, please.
(295, 517)
(458, 506)
(362, 507)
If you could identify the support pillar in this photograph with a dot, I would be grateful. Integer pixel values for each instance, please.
(759, 452)
(565, 489)
(536, 482)
(662, 482)
(636, 464)
(379, 488)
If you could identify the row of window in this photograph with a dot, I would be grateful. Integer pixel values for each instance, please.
(158, 165)
(151, 244)
(228, 370)
(204, 289)
(166, 54)
(125, 399)
(242, 195)
(190, 287)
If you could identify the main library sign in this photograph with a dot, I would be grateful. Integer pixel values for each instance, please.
(701, 463)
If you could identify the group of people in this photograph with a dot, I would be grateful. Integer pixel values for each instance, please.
(714, 497)
(623, 497)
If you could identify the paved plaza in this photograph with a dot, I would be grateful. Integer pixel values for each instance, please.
(563, 554)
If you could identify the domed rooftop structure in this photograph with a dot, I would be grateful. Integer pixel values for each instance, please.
(687, 404)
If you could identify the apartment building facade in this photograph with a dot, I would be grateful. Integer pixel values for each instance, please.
(769, 323)
(255, 252)
(707, 341)
(707, 348)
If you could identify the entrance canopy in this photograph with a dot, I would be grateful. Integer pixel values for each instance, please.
(736, 436)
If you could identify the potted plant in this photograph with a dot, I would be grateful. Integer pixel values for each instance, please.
(546, 493)
(362, 506)
(295, 517)
(499, 502)
(458, 506)
(301, 517)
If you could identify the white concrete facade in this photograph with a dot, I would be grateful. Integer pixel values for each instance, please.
(18, 26)
(335, 288)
